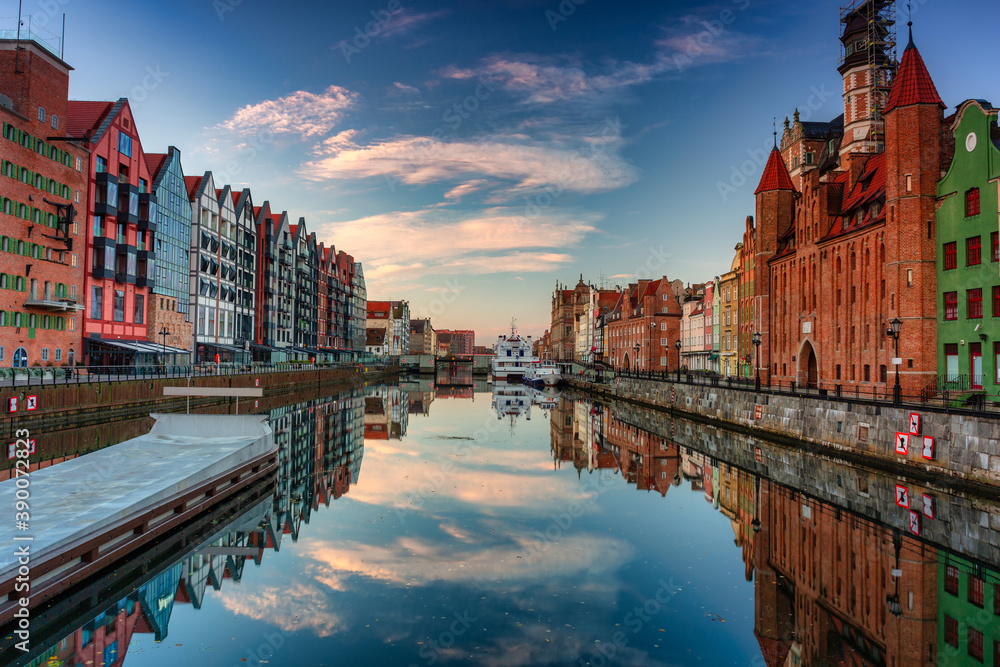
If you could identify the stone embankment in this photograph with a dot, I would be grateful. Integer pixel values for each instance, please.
(961, 449)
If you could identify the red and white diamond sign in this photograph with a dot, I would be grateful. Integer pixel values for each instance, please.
(928, 506)
(928, 450)
(902, 443)
(902, 496)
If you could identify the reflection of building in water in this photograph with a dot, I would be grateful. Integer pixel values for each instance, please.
(823, 579)
(321, 444)
(692, 467)
(649, 461)
(420, 395)
(386, 413)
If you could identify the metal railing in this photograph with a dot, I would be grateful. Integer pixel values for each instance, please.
(951, 394)
(50, 375)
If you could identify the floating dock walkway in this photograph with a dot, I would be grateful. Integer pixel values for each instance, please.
(90, 512)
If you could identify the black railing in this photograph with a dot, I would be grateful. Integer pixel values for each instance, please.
(948, 392)
(49, 375)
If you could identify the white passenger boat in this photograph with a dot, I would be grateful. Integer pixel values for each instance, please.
(512, 356)
(543, 374)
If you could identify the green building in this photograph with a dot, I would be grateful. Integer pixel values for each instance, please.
(968, 612)
(968, 261)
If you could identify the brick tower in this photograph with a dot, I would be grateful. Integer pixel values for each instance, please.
(913, 151)
(776, 196)
(867, 65)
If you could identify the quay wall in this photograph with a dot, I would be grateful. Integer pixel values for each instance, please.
(967, 525)
(78, 418)
(966, 448)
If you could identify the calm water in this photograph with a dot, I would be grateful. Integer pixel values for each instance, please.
(454, 525)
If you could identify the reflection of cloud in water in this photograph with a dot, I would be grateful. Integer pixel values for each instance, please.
(290, 608)
(418, 561)
(484, 478)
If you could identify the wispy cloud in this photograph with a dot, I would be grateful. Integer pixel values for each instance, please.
(301, 113)
(424, 160)
(400, 244)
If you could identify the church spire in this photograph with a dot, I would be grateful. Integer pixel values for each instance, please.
(913, 83)
(775, 176)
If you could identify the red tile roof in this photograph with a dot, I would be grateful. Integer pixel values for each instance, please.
(155, 162)
(913, 84)
(775, 176)
(83, 118)
(192, 183)
(236, 198)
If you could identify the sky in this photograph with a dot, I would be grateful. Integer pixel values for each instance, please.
(474, 154)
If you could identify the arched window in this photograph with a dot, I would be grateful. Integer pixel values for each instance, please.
(20, 358)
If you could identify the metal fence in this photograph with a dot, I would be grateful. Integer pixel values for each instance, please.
(951, 394)
(49, 375)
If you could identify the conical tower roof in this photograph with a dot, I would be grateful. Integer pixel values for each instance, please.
(775, 176)
(913, 84)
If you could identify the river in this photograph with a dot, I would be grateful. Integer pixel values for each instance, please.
(455, 523)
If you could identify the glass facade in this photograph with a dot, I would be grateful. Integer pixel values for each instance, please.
(173, 234)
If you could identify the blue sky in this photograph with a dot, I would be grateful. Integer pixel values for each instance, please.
(472, 154)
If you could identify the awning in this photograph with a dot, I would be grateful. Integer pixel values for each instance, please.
(713, 356)
(141, 346)
(222, 346)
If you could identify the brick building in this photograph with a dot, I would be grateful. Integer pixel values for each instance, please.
(120, 256)
(745, 276)
(729, 319)
(567, 305)
(821, 582)
(43, 190)
(640, 331)
(463, 341)
(423, 338)
(852, 247)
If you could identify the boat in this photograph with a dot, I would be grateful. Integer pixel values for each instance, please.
(543, 374)
(512, 356)
(511, 401)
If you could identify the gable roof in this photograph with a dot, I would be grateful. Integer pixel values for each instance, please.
(193, 183)
(775, 176)
(84, 118)
(913, 83)
(155, 162)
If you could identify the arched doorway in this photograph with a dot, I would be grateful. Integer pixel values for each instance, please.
(20, 358)
(809, 367)
(626, 362)
(71, 358)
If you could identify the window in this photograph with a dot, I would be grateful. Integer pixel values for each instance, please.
(882, 373)
(951, 305)
(45, 354)
(950, 255)
(977, 590)
(58, 349)
(140, 308)
(909, 183)
(102, 165)
(55, 122)
(996, 301)
(868, 373)
(951, 374)
(975, 298)
(838, 370)
(41, 116)
(951, 572)
(119, 314)
(972, 202)
(972, 254)
(995, 245)
(976, 644)
(950, 631)
(124, 144)
(96, 302)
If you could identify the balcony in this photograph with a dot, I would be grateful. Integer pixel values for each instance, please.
(125, 264)
(104, 254)
(54, 305)
(147, 212)
(106, 195)
(128, 203)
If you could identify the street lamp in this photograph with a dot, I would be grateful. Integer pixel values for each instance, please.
(895, 608)
(635, 359)
(893, 332)
(756, 343)
(164, 333)
(678, 346)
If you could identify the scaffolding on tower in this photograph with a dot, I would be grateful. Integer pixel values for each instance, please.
(880, 48)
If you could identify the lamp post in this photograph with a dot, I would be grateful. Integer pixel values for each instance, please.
(164, 333)
(756, 338)
(893, 332)
(678, 346)
(895, 608)
(635, 359)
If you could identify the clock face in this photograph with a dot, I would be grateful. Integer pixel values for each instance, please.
(970, 142)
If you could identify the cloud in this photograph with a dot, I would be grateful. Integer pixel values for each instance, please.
(459, 191)
(398, 87)
(424, 160)
(405, 22)
(302, 113)
(289, 608)
(428, 241)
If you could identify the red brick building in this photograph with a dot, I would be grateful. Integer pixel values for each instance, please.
(640, 331)
(821, 579)
(852, 246)
(43, 189)
(119, 258)
(745, 279)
